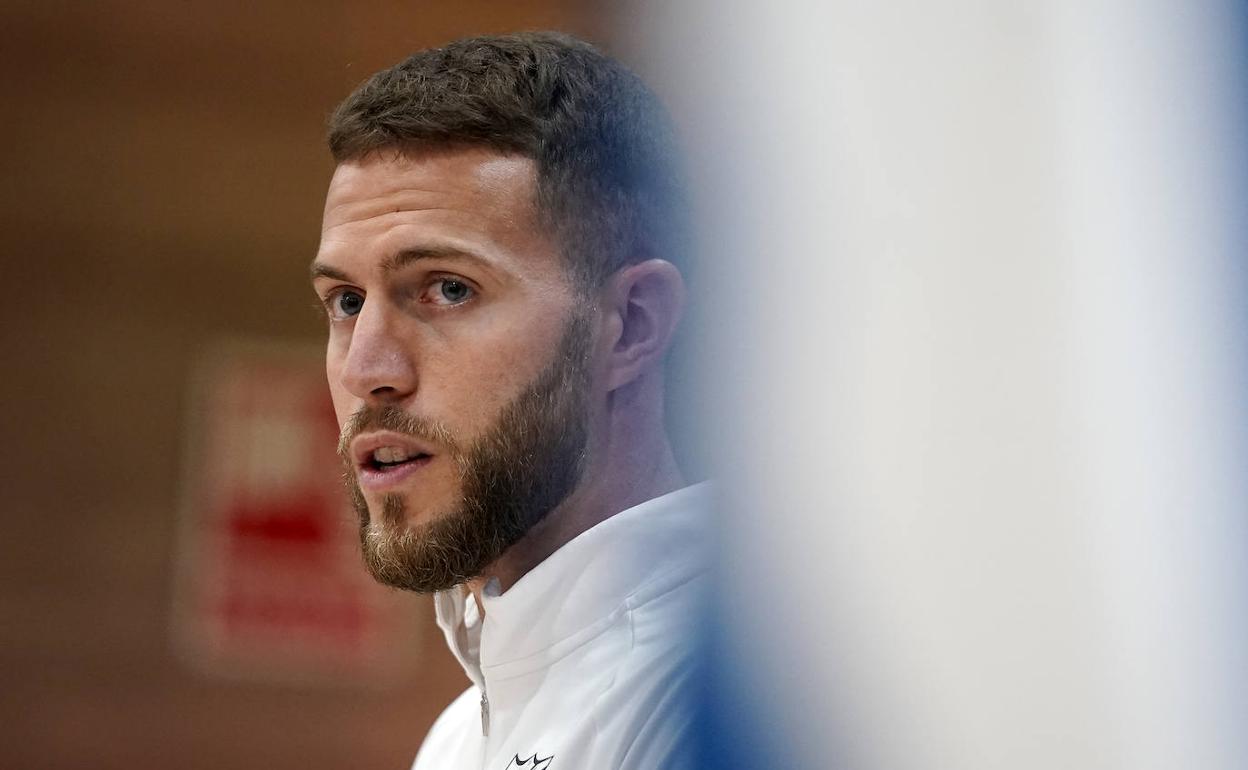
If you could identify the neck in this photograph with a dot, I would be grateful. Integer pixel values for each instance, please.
(633, 463)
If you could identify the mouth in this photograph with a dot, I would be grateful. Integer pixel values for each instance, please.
(388, 458)
(385, 460)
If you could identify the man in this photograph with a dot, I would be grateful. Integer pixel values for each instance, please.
(498, 267)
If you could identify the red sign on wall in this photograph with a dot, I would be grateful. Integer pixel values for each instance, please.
(270, 579)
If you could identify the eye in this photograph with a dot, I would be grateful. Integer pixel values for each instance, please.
(448, 291)
(343, 303)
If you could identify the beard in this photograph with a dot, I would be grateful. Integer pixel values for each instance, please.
(516, 472)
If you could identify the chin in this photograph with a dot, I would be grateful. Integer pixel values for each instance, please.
(402, 511)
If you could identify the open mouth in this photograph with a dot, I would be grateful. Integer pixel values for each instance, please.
(387, 459)
(390, 458)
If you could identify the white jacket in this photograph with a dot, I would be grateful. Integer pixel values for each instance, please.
(584, 664)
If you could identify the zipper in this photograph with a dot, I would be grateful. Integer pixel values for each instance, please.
(485, 715)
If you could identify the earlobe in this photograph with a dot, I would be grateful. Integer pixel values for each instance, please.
(648, 299)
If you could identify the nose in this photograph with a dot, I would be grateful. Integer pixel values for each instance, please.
(380, 364)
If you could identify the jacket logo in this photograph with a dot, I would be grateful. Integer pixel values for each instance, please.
(532, 763)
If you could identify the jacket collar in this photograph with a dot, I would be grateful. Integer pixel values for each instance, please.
(580, 587)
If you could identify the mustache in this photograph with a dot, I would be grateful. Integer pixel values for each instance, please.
(391, 418)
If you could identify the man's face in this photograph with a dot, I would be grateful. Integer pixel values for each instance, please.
(458, 359)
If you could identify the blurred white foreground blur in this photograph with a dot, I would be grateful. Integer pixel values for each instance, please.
(983, 304)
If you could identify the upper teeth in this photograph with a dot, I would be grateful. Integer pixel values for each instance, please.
(390, 454)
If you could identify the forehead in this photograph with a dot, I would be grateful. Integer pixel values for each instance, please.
(366, 187)
(473, 199)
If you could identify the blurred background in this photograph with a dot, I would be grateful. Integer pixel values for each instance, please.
(989, 492)
(968, 352)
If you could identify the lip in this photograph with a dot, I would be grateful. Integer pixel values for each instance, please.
(379, 480)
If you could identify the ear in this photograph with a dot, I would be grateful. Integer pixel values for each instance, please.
(645, 302)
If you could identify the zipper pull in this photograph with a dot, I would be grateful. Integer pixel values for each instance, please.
(485, 715)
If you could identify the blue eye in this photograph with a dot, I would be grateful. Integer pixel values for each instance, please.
(345, 303)
(453, 292)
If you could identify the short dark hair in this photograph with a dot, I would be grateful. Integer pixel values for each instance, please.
(610, 188)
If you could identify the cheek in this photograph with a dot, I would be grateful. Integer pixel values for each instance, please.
(343, 406)
(477, 386)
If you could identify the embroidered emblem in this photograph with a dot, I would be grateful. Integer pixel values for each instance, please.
(532, 763)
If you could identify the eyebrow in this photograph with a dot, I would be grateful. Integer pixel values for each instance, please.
(401, 260)
(322, 270)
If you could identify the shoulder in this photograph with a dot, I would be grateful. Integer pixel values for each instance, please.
(453, 735)
(645, 718)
